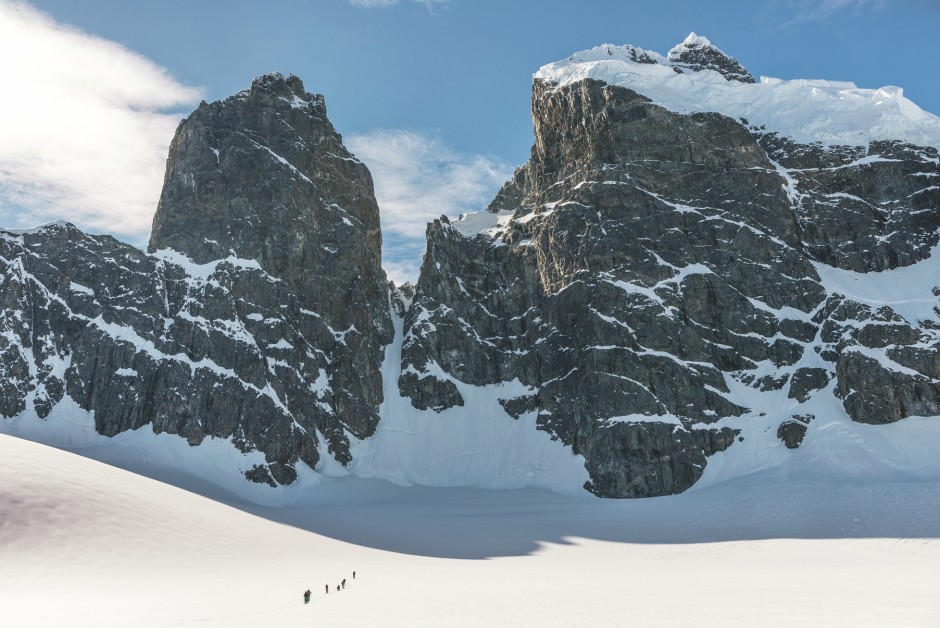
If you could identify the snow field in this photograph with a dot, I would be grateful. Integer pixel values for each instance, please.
(86, 544)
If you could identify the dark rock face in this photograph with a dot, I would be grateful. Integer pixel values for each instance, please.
(697, 55)
(263, 175)
(887, 368)
(875, 394)
(261, 319)
(656, 267)
(862, 210)
(807, 380)
(792, 431)
(590, 296)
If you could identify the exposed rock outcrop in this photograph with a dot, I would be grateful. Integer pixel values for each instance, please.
(793, 430)
(653, 278)
(260, 315)
(697, 53)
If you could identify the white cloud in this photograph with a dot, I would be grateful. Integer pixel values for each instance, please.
(372, 4)
(430, 5)
(418, 178)
(819, 10)
(84, 131)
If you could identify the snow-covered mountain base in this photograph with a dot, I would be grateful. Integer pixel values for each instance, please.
(86, 545)
(480, 445)
(477, 445)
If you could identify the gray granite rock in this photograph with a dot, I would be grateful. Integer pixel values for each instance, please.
(260, 316)
(793, 430)
(807, 380)
(651, 259)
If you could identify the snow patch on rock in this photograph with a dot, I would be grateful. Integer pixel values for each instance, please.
(806, 110)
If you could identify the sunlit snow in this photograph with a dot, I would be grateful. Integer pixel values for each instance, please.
(806, 110)
(83, 544)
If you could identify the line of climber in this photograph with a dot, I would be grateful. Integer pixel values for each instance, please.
(326, 588)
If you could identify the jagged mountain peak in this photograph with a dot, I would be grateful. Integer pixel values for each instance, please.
(263, 175)
(259, 317)
(692, 40)
(697, 53)
(289, 89)
(275, 80)
(693, 55)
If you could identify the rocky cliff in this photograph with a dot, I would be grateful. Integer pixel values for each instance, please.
(653, 276)
(259, 316)
(691, 264)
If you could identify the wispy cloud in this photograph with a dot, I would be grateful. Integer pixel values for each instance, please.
(372, 4)
(430, 5)
(820, 10)
(85, 131)
(418, 178)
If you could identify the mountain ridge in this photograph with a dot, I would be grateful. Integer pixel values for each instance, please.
(656, 287)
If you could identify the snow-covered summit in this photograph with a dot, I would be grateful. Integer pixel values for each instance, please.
(697, 53)
(691, 41)
(696, 76)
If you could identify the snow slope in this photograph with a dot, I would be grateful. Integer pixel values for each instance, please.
(830, 112)
(474, 445)
(836, 447)
(85, 544)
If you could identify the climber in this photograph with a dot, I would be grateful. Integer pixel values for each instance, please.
(307, 596)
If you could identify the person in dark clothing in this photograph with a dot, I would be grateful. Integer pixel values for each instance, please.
(344, 583)
(337, 587)
(307, 596)
(327, 587)
(354, 575)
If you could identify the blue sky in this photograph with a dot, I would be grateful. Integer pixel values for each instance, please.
(433, 95)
